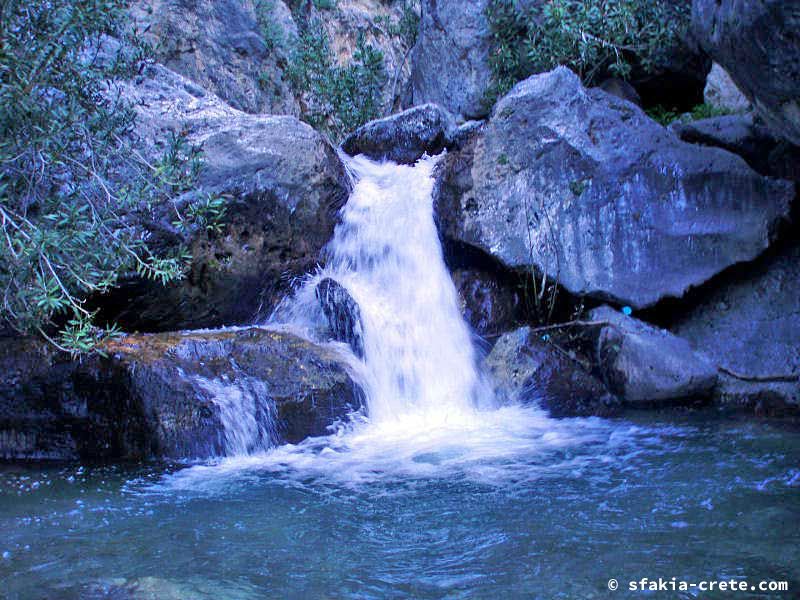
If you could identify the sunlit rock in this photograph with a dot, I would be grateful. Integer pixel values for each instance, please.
(584, 187)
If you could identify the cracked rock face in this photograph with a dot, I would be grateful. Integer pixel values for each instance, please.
(451, 58)
(583, 186)
(220, 45)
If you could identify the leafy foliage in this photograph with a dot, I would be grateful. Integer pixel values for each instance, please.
(73, 193)
(595, 38)
(665, 116)
(271, 31)
(337, 98)
(405, 28)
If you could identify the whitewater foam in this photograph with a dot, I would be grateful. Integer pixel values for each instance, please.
(430, 410)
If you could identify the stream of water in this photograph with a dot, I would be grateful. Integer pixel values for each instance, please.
(437, 490)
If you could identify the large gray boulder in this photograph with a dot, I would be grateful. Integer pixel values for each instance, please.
(756, 42)
(583, 186)
(404, 137)
(528, 369)
(643, 364)
(283, 185)
(221, 46)
(450, 62)
(750, 325)
(177, 395)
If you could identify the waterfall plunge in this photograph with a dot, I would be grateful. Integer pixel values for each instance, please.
(430, 413)
(419, 368)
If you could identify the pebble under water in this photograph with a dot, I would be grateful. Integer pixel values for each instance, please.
(692, 497)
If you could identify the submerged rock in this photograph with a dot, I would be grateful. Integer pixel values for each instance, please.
(342, 313)
(584, 187)
(404, 137)
(529, 369)
(643, 364)
(282, 184)
(178, 395)
(750, 324)
(756, 42)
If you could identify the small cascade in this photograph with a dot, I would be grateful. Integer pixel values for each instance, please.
(246, 412)
(419, 365)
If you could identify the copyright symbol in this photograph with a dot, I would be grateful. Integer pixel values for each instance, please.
(613, 584)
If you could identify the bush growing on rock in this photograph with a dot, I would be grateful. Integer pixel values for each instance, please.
(337, 98)
(73, 192)
(595, 38)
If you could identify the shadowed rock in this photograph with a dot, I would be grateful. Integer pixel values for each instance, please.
(529, 369)
(404, 137)
(282, 184)
(342, 313)
(757, 44)
(750, 324)
(178, 395)
(746, 136)
(643, 364)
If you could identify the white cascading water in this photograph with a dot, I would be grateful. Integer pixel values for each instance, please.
(430, 413)
(419, 361)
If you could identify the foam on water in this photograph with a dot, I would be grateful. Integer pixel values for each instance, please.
(430, 411)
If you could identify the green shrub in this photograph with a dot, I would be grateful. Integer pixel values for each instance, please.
(708, 111)
(595, 38)
(665, 116)
(75, 197)
(405, 28)
(336, 99)
(271, 31)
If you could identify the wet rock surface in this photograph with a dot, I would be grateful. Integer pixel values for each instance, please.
(490, 303)
(584, 187)
(163, 395)
(404, 137)
(529, 369)
(342, 313)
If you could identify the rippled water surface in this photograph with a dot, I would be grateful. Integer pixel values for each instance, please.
(563, 507)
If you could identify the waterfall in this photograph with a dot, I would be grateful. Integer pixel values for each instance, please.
(419, 363)
(246, 412)
(429, 411)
